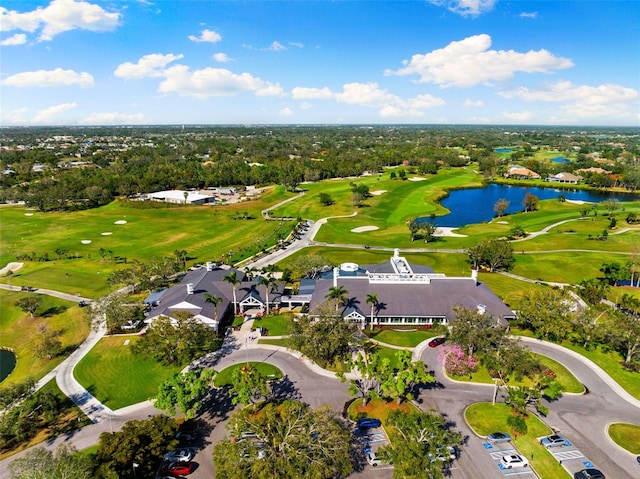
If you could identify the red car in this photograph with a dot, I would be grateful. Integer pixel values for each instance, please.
(181, 469)
(435, 342)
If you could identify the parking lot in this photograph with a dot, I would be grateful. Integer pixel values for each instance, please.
(498, 451)
(570, 457)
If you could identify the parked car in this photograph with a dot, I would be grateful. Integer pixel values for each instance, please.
(589, 474)
(373, 460)
(181, 468)
(435, 342)
(368, 423)
(497, 437)
(444, 454)
(179, 455)
(555, 440)
(514, 460)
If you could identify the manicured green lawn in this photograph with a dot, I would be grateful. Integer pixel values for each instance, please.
(118, 378)
(608, 360)
(627, 436)
(564, 376)
(283, 342)
(405, 339)
(206, 233)
(276, 325)
(485, 418)
(20, 332)
(223, 378)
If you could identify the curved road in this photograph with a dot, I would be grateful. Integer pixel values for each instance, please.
(583, 417)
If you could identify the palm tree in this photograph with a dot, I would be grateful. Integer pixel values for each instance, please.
(267, 282)
(372, 299)
(186, 195)
(209, 298)
(337, 293)
(232, 279)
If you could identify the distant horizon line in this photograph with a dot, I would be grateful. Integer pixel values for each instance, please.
(249, 125)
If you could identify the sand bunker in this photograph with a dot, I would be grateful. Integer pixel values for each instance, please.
(446, 231)
(502, 222)
(106, 233)
(417, 178)
(362, 229)
(85, 241)
(577, 202)
(13, 267)
(28, 214)
(120, 222)
(378, 192)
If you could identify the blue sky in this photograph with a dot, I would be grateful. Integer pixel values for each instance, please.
(93, 62)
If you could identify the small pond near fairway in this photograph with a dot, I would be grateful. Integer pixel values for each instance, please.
(475, 205)
(7, 363)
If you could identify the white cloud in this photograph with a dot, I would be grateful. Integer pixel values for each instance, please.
(47, 115)
(519, 117)
(286, 111)
(221, 57)
(49, 78)
(388, 104)
(563, 91)
(470, 102)
(368, 94)
(305, 105)
(302, 93)
(469, 62)
(297, 44)
(60, 16)
(582, 101)
(276, 47)
(148, 66)
(210, 82)
(425, 101)
(528, 15)
(372, 96)
(466, 7)
(17, 39)
(14, 117)
(113, 118)
(208, 36)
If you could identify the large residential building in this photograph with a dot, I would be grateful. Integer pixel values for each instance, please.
(192, 293)
(407, 295)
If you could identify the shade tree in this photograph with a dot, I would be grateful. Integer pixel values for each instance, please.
(419, 439)
(292, 441)
(182, 393)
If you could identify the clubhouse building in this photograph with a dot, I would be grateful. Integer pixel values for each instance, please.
(405, 295)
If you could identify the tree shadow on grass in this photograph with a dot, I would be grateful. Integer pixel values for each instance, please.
(53, 311)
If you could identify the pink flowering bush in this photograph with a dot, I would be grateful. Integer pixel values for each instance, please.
(456, 361)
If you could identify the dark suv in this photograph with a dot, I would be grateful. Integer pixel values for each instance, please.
(589, 474)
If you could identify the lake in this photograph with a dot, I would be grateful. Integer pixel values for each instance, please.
(475, 205)
(7, 363)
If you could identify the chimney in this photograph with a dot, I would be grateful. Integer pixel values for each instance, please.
(189, 288)
(336, 273)
(474, 275)
(209, 266)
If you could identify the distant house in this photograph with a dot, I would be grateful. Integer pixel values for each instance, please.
(190, 296)
(521, 173)
(594, 169)
(565, 178)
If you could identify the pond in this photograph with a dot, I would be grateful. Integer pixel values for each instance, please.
(475, 205)
(7, 363)
(504, 150)
(560, 159)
